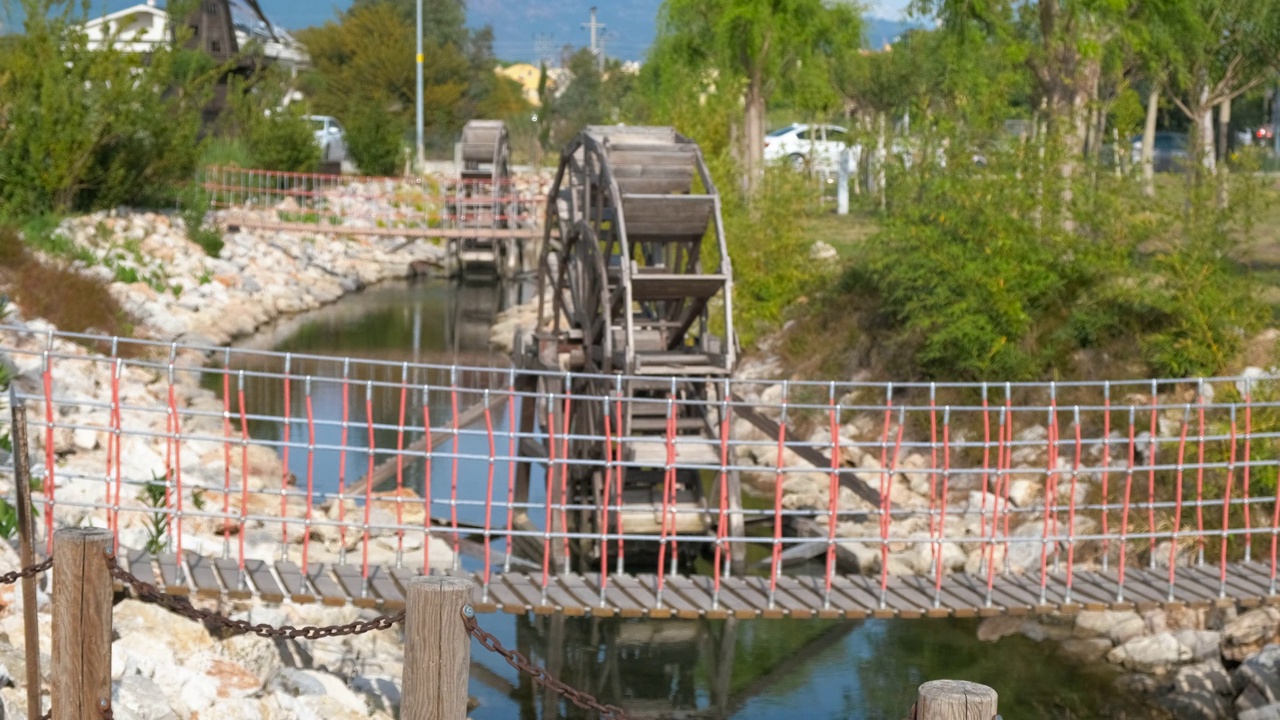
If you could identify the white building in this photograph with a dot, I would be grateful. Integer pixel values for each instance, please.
(141, 28)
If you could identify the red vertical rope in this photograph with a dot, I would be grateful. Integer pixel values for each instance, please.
(311, 463)
(244, 472)
(1008, 465)
(368, 481)
(116, 432)
(1106, 466)
(1055, 437)
(1248, 464)
(722, 527)
(342, 457)
(226, 456)
(933, 466)
(512, 428)
(1226, 507)
(833, 496)
(942, 515)
(606, 487)
(453, 473)
(176, 438)
(284, 472)
(1151, 477)
(1128, 494)
(1200, 443)
(618, 473)
(551, 484)
(986, 463)
(404, 401)
(426, 482)
(775, 565)
(488, 495)
(1071, 504)
(1001, 489)
(668, 481)
(1049, 504)
(886, 516)
(564, 470)
(886, 485)
(1177, 505)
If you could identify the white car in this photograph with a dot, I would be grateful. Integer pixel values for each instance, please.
(806, 147)
(331, 138)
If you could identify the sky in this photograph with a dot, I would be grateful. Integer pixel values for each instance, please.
(526, 29)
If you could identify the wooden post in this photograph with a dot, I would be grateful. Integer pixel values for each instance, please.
(437, 649)
(81, 624)
(955, 700)
(27, 550)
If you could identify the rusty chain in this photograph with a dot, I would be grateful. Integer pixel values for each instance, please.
(540, 676)
(10, 578)
(182, 606)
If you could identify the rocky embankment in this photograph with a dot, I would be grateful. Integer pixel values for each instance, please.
(1198, 664)
(164, 666)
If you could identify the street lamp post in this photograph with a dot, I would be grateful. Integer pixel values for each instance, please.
(421, 150)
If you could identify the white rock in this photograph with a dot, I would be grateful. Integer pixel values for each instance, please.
(141, 696)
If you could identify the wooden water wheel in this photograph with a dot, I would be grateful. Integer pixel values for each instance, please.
(484, 200)
(634, 274)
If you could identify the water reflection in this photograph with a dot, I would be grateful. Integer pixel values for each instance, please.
(766, 669)
(735, 670)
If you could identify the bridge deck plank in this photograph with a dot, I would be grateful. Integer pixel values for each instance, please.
(260, 573)
(861, 590)
(621, 601)
(644, 598)
(576, 586)
(839, 605)
(294, 584)
(326, 588)
(1259, 572)
(730, 597)
(353, 582)
(697, 596)
(380, 580)
(202, 575)
(233, 580)
(685, 596)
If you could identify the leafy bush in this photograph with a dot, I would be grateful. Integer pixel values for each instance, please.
(977, 277)
(375, 141)
(274, 138)
(89, 129)
(195, 205)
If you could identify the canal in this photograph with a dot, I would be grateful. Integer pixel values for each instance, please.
(738, 670)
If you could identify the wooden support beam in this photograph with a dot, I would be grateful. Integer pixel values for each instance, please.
(811, 455)
(81, 624)
(437, 649)
(955, 700)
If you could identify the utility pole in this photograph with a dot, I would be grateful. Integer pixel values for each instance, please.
(421, 148)
(595, 48)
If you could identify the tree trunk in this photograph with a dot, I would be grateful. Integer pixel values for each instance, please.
(1148, 143)
(753, 133)
(1224, 129)
(880, 161)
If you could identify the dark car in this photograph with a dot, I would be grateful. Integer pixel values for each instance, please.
(1170, 151)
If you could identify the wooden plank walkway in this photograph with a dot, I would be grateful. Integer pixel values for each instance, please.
(851, 597)
(233, 223)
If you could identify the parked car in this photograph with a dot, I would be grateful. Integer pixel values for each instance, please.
(331, 138)
(1169, 151)
(806, 147)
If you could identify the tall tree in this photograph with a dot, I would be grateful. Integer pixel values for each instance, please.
(757, 48)
(1220, 50)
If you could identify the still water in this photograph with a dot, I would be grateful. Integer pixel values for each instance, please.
(738, 670)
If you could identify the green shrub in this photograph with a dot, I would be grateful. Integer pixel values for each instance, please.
(89, 129)
(195, 206)
(274, 138)
(375, 141)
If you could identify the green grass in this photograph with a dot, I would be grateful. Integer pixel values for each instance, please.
(225, 152)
